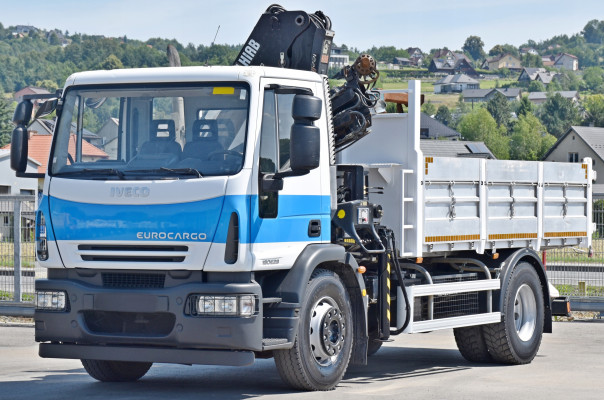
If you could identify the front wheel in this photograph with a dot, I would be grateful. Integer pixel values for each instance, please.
(323, 344)
(516, 339)
(116, 371)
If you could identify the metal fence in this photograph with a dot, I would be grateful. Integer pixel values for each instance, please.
(575, 272)
(17, 255)
(578, 272)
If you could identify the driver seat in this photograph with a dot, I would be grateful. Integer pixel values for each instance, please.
(205, 140)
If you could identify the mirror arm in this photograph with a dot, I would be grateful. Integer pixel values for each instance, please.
(36, 175)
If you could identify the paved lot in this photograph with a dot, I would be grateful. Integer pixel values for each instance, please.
(570, 365)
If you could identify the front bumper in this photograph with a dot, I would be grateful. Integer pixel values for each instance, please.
(146, 325)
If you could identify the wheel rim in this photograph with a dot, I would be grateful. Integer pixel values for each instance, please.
(327, 331)
(525, 312)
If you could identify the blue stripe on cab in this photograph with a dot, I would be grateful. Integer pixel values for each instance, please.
(86, 221)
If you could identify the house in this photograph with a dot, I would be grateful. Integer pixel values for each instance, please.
(548, 61)
(63, 41)
(18, 96)
(10, 184)
(402, 61)
(338, 58)
(455, 83)
(455, 148)
(108, 134)
(88, 136)
(528, 50)
(39, 150)
(24, 30)
(482, 95)
(445, 66)
(502, 61)
(576, 144)
(416, 55)
(567, 61)
(541, 97)
(430, 128)
(536, 74)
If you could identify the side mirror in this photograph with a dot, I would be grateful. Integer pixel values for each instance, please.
(19, 138)
(46, 108)
(305, 139)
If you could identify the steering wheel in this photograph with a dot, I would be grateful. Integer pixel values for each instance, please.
(233, 153)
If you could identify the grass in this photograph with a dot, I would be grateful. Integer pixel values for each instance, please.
(572, 290)
(9, 296)
(577, 254)
(27, 254)
(491, 83)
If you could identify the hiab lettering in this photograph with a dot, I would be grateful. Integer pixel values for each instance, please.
(249, 52)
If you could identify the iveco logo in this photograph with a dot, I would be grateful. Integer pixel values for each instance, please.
(130, 191)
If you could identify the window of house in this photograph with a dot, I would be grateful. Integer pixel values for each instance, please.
(27, 192)
(573, 157)
(4, 189)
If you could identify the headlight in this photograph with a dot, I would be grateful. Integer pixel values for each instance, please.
(51, 300)
(221, 305)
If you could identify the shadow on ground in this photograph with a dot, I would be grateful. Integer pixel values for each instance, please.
(166, 381)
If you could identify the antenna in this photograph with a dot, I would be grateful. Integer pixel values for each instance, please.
(215, 35)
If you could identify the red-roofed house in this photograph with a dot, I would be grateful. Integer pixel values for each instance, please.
(39, 150)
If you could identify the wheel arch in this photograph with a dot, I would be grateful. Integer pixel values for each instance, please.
(291, 286)
(510, 260)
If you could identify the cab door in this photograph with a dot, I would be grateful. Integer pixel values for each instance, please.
(284, 222)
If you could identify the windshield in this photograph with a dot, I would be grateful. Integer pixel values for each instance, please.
(151, 132)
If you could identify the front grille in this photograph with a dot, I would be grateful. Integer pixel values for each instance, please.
(129, 323)
(451, 305)
(132, 253)
(133, 280)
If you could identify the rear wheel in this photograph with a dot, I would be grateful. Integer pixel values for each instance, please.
(516, 339)
(471, 344)
(323, 344)
(116, 371)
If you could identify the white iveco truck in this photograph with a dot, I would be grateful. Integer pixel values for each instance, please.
(214, 220)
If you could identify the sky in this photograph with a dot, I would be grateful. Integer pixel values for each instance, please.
(426, 24)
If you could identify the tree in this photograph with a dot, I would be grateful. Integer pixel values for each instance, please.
(536, 86)
(479, 125)
(53, 39)
(499, 108)
(525, 106)
(501, 49)
(6, 125)
(47, 84)
(594, 107)
(593, 78)
(559, 114)
(429, 108)
(443, 115)
(474, 47)
(111, 62)
(529, 139)
(593, 32)
(531, 61)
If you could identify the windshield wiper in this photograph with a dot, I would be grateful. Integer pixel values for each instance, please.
(183, 171)
(103, 171)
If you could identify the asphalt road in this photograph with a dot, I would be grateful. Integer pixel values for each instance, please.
(570, 365)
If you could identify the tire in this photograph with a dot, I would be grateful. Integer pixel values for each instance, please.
(374, 344)
(471, 344)
(325, 328)
(516, 339)
(115, 371)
